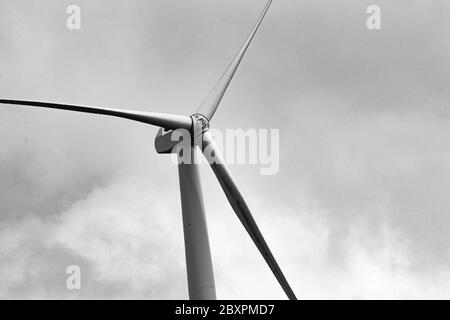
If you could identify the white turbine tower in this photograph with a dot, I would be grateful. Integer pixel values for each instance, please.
(198, 256)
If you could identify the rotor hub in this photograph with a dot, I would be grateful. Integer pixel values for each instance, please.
(200, 122)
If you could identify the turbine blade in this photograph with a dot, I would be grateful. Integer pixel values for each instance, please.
(241, 209)
(164, 120)
(212, 101)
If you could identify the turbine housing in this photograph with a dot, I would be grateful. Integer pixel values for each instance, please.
(165, 141)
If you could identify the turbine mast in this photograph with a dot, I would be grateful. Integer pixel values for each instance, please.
(196, 242)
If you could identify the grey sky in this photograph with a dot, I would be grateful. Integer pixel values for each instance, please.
(359, 209)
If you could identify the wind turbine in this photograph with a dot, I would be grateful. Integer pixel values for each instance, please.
(198, 255)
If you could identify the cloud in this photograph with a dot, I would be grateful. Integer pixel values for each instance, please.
(121, 237)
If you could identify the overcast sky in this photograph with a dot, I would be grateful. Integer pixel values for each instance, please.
(359, 209)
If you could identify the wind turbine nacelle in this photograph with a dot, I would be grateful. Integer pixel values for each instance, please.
(166, 141)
